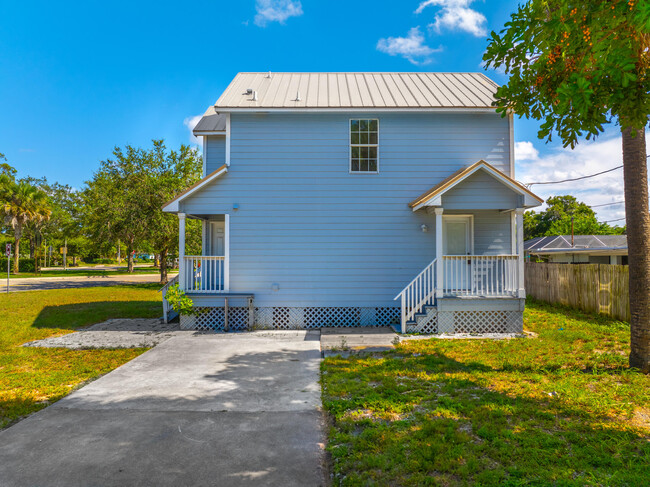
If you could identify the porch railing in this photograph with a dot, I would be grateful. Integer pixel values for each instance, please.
(480, 275)
(420, 292)
(203, 274)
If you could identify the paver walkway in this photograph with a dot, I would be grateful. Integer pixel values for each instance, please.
(223, 409)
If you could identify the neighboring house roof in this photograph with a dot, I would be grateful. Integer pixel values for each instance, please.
(212, 123)
(358, 90)
(173, 205)
(581, 244)
(433, 197)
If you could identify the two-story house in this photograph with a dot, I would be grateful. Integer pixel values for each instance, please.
(355, 199)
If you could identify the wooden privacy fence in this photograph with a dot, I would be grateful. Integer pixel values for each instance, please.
(589, 287)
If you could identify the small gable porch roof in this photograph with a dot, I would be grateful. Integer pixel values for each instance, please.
(173, 206)
(433, 197)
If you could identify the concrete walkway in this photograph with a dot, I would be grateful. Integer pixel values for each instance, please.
(223, 409)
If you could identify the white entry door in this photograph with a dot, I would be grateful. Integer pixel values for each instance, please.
(457, 241)
(214, 246)
(215, 239)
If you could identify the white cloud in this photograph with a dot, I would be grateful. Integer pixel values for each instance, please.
(525, 151)
(276, 11)
(589, 157)
(411, 47)
(456, 15)
(190, 123)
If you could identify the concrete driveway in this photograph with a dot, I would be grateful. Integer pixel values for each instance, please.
(197, 410)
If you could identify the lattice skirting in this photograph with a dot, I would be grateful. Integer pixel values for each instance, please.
(289, 318)
(480, 322)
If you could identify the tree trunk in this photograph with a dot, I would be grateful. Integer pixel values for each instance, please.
(129, 249)
(163, 266)
(32, 245)
(156, 260)
(16, 251)
(638, 244)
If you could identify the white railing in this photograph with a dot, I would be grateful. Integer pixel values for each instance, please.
(421, 291)
(480, 275)
(203, 274)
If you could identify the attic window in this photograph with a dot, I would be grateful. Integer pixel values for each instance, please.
(364, 138)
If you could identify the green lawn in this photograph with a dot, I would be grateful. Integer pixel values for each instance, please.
(32, 378)
(560, 409)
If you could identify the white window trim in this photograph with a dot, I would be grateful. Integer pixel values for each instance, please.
(350, 171)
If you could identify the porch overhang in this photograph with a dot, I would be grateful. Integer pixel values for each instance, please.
(173, 206)
(433, 197)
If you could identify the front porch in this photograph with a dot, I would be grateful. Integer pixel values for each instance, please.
(462, 290)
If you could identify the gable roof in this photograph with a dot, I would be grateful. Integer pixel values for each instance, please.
(433, 197)
(172, 206)
(358, 90)
(581, 243)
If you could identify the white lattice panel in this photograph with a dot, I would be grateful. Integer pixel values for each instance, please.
(291, 318)
(425, 324)
(488, 322)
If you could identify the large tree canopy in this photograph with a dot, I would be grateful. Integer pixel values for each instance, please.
(576, 65)
(124, 199)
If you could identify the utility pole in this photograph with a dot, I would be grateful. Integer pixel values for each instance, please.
(65, 254)
(571, 230)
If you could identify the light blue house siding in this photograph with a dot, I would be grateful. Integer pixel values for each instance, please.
(309, 233)
(215, 153)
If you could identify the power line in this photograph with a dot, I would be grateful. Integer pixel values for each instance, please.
(576, 179)
(607, 204)
(616, 220)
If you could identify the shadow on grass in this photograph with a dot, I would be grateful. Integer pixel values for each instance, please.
(421, 419)
(73, 316)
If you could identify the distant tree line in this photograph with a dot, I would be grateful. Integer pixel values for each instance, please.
(561, 213)
(119, 210)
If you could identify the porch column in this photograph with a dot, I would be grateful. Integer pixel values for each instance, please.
(521, 291)
(181, 250)
(439, 267)
(226, 253)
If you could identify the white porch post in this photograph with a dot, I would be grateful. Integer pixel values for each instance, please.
(439, 262)
(226, 253)
(521, 292)
(181, 250)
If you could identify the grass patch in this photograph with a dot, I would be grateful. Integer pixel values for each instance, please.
(560, 409)
(32, 378)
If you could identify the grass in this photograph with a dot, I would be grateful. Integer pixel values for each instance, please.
(32, 378)
(559, 409)
(72, 272)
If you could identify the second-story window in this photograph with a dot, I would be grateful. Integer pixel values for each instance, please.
(364, 137)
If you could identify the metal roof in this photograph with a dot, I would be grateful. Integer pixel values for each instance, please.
(210, 122)
(580, 243)
(358, 90)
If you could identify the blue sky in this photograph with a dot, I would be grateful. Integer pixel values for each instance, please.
(77, 79)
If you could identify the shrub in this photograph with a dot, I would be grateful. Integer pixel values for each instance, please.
(24, 265)
(179, 301)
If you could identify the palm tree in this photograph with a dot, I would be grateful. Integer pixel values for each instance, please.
(23, 203)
